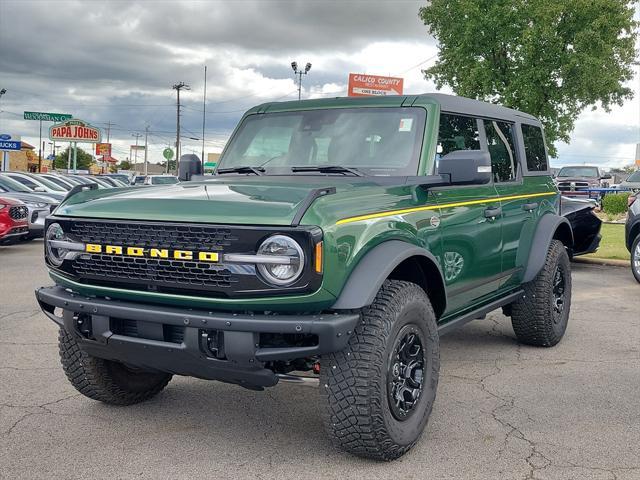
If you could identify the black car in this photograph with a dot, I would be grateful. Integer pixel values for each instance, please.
(584, 223)
(632, 231)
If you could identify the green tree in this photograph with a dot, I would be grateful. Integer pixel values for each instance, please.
(125, 165)
(84, 159)
(549, 58)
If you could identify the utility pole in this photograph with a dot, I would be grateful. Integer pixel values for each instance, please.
(137, 135)
(177, 87)
(146, 144)
(299, 73)
(204, 113)
(109, 130)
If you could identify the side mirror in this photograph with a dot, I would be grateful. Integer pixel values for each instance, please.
(189, 166)
(606, 176)
(466, 167)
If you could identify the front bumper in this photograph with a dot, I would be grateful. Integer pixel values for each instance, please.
(150, 341)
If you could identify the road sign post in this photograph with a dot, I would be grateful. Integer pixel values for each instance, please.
(46, 117)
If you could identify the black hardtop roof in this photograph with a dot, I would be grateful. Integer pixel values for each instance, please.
(448, 103)
(469, 106)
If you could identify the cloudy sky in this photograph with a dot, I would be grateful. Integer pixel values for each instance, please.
(115, 62)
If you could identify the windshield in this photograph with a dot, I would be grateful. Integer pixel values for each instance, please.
(47, 183)
(634, 177)
(57, 181)
(375, 141)
(163, 180)
(11, 185)
(590, 172)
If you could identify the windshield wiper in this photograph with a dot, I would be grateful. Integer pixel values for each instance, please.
(243, 169)
(329, 169)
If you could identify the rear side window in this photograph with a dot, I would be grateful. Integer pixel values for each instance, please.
(25, 182)
(504, 164)
(457, 133)
(534, 148)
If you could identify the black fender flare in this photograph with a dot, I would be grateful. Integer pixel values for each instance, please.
(546, 231)
(374, 268)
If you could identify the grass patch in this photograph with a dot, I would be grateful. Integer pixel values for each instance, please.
(612, 245)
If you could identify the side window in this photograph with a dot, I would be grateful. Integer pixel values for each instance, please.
(457, 133)
(534, 148)
(504, 164)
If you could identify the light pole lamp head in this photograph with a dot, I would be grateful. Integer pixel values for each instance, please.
(294, 66)
(307, 67)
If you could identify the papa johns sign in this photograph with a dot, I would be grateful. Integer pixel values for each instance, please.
(75, 130)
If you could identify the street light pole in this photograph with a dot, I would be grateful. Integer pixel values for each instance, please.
(299, 73)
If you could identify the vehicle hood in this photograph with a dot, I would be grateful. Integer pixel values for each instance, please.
(591, 180)
(229, 200)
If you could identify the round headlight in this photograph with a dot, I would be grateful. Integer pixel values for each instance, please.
(285, 272)
(54, 254)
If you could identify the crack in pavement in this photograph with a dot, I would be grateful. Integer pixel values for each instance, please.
(30, 414)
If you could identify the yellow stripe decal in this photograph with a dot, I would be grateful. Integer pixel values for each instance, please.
(446, 205)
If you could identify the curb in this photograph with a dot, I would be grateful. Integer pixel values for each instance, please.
(610, 262)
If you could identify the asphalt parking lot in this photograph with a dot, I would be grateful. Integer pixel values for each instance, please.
(503, 411)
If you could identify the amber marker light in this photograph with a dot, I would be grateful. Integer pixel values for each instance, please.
(318, 257)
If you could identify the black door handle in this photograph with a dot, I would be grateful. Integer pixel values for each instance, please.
(530, 207)
(493, 212)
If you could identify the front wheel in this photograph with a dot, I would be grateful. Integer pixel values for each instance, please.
(105, 380)
(635, 258)
(378, 392)
(541, 316)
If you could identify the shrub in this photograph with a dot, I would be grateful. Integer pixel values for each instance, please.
(615, 203)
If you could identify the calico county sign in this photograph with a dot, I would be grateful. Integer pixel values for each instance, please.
(361, 85)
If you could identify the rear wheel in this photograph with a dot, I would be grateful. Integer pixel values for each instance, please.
(635, 258)
(540, 318)
(378, 392)
(105, 380)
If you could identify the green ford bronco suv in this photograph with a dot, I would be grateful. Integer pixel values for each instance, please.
(339, 237)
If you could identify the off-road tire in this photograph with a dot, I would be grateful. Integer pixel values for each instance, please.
(354, 382)
(105, 380)
(635, 258)
(534, 318)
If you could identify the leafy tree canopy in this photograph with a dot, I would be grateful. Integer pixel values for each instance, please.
(125, 165)
(549, 58)
(85, 159)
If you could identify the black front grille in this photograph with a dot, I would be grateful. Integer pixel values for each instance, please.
(18, 212)
(150, 271)
(149, 235)
(170, 274)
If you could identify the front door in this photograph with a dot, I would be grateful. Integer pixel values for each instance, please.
(470, 223)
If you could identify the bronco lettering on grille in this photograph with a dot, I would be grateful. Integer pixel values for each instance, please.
(151, 252)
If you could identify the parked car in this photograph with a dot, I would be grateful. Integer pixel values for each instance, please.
(632, 231)
(161, 180)
(123, 177)
(347, 257)
(35, 183)
(10, 185)
(632, 182)
(575, 181)
(13, 220)
(584, 223)
(83, 180)
(138, 180)
(39, 208)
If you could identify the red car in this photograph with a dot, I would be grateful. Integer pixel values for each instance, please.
(13, 220)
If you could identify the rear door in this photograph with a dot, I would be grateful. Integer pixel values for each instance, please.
(516, 208)
(470, 222)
